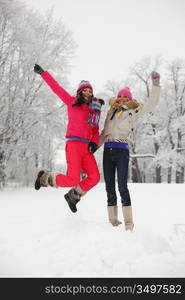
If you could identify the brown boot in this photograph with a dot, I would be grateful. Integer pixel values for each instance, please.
(128, 218)
(45, 179)
(113, 215)
(73, 197)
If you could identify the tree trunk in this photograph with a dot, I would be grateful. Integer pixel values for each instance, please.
(180, 175)
(2, 170)
(158, 174)
(169, 178)
(135, 175)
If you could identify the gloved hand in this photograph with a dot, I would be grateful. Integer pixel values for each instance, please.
(92, 147)
(38, 69)
(155, 78)
(102, 102)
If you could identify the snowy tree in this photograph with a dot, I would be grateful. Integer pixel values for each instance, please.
(175, 99)
(145, 133)
(30, 116)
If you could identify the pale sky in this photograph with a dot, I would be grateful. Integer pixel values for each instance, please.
(114, 34)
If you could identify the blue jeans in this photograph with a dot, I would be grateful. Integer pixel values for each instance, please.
(116, 159)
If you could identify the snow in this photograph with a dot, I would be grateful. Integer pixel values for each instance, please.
(41, 237)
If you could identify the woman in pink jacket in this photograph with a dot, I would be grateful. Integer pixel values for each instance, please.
(82, 141)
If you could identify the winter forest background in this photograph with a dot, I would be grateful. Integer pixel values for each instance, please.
(33, 120)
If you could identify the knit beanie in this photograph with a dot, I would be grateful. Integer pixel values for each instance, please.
(125, 92)
(83, 85)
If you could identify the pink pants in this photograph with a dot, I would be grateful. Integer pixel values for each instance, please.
(79, 158)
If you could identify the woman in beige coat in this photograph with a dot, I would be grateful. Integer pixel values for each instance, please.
(119, 125)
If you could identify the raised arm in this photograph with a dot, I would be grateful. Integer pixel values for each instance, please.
(53, 84)
(153, 97)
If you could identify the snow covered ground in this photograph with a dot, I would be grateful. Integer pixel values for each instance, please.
(41, 237)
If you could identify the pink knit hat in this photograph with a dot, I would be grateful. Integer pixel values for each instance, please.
(83, 85)
(126, 92)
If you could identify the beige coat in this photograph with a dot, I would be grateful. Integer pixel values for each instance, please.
(121, 127)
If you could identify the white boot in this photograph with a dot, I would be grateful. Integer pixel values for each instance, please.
(113, 215)
(128, 218)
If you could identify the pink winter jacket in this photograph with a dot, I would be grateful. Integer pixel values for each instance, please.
(77, 115)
